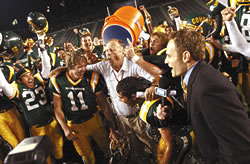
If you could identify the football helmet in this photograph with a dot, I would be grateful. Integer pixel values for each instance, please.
(173, 12)
(10, 42)
(37, 22)
(202, 23)
(212, 4)
(84, 31)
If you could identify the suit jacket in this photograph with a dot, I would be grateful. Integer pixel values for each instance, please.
(217, 115)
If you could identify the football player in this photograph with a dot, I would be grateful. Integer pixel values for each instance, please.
(90, 48)
(31, 98)
(39, 25)
(240, 43)
(242, 46)
(10, 44)
(242, 14)
(86, 44)
(174, 129)
(75, 91)
(203, 23)
(12, 128)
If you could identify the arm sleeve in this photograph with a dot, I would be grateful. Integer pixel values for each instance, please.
(224, 2)
(46, 66)
(95, 67)
(177, 23)
(142, 73)
(237, 39)
(7, 88)
(229, 47)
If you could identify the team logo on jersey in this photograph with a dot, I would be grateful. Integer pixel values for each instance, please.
(75, 89)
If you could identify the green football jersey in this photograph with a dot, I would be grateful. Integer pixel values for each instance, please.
(9, 74)
(55, 60)
(79, 101)
(176, 119)
(99, 51)
(32, 56)
(242, 16)
(147, 113)
(33, 102)
(243, 20)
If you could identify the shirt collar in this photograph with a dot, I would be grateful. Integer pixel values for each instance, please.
(187, 75)
(125, 65)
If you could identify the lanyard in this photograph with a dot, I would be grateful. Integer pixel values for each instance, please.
(116, 76)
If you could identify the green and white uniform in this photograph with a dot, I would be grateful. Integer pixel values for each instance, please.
(242, 18)
(98, 51)
(78, 98)
(38, 113)
(80, 110)
(12, 127)
(33, 102)
(177, 120)
(32, 57)
(242, 15)
(55, 60)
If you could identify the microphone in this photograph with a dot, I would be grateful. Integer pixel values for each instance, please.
(158, 91)
(140, 94)
(172, 93)
(164, 92)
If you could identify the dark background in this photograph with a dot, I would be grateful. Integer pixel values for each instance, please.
(65, 15)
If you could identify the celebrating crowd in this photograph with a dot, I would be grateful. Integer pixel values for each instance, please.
(180, 95)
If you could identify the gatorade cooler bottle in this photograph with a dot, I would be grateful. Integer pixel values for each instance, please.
(126, 22)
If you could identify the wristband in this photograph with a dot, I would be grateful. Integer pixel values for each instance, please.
(135, 58)
(148, 21)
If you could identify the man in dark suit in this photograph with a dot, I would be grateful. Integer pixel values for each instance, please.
(214, 105)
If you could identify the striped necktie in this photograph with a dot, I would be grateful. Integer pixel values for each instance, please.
(184, 87)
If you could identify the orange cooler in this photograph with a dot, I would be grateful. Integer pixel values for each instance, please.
(126, 22)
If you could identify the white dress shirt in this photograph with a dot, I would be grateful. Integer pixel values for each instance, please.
(112, 78)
